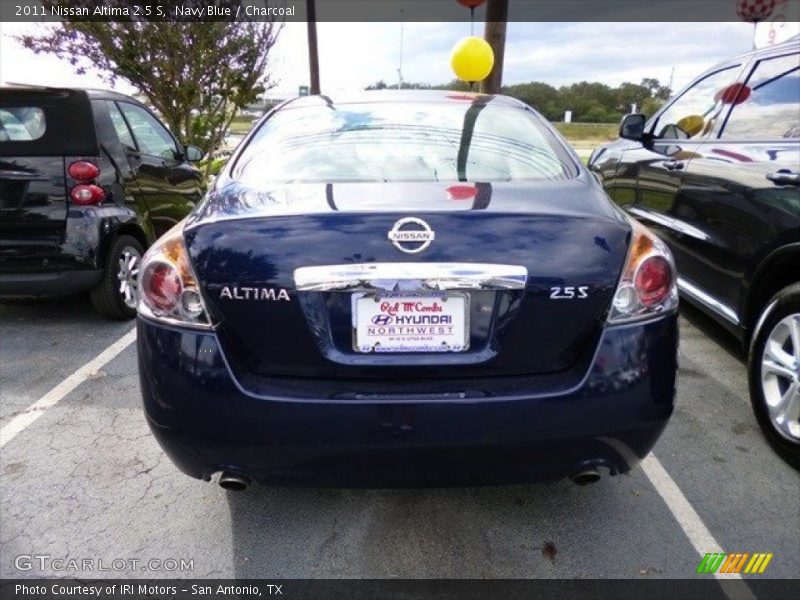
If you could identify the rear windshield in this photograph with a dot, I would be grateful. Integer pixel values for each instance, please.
(21, 123)
(46, 122)
(459, 140)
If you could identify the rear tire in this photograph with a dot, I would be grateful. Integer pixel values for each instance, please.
(774, 373)
(116, 295)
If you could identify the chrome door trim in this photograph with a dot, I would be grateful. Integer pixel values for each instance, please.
(698, 295)
(410, 276)
(668, 222)
(689, 230)
(655, 217)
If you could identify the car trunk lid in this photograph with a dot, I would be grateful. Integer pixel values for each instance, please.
(285, 273)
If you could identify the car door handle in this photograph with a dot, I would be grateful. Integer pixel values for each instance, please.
(785, 176)
(674, 165)
(21, 175)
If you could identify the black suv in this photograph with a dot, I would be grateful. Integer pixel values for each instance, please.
(88, 180)
(716, 173)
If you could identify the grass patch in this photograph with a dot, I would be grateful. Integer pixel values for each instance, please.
(216, 165)
(594, 132)
(241, 124)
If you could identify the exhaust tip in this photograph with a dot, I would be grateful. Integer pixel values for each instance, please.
(234, 482)
(585, 477)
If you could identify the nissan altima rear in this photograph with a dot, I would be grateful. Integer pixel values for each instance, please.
(406, 289)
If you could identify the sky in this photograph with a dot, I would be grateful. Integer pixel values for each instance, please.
(354, 55)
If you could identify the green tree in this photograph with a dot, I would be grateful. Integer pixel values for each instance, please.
(657, 91)
(456, 85)
(541, 96)
(591, 102)
(407, 85)
(631, 93)
(651, 106)
(197, 75)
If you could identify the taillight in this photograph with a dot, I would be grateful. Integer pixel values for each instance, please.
(652, 280)
(83, 171)
(162, 286)
(168, 288)
(84, 194)
(648, 285)
(87, 191)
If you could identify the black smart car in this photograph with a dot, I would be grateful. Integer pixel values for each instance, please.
(716, 173)
(88, 180)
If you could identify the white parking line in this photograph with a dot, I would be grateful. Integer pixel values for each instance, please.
(694, 528)
(51, 398)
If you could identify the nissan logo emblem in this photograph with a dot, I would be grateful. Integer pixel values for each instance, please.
(411, 235)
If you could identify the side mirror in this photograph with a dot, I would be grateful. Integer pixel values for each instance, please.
(632, 127)
(193, 153)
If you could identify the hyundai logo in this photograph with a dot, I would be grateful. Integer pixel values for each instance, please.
(381, 320)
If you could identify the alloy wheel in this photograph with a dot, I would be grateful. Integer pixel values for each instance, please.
(128, 275)
(780, 376)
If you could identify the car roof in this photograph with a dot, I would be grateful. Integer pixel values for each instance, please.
(787, 47)
(92, 93)
(96, 94)
(782, 48)
(792, 45)
(401, 96)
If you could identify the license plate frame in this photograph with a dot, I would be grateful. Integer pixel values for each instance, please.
(407, 341)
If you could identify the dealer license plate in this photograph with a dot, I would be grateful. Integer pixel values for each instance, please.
(411, 322)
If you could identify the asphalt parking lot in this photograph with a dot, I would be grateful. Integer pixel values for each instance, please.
(86, 480)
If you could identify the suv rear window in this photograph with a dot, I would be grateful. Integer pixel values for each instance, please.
(21, 123)
(447, 141)
(46, 122)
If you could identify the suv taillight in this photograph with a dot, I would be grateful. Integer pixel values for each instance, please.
(648, 285)
(84, 195)
(83, 171)
(168, 288)
(87, 191)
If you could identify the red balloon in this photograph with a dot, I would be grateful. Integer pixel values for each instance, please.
(476, 3)
(733, 94)
(754, 11)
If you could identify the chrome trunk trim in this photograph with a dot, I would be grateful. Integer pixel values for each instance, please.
(410, 276)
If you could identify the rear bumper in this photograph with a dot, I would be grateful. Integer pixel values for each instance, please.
(207, 422)
(48, 284)
(57, 262)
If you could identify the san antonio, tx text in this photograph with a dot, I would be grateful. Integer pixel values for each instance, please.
(60, 589)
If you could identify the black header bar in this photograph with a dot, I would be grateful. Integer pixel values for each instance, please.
(381, 10)
(700, 588)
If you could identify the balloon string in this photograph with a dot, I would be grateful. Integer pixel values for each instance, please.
(472, 20)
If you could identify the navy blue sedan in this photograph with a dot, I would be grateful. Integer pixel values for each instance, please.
(405, 289)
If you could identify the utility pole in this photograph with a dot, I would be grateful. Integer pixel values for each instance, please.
(495, 35)
(671, 78)
(313, 54)
(400, 68)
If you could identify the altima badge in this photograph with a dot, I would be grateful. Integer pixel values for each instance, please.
(254, 293)
(411, 235)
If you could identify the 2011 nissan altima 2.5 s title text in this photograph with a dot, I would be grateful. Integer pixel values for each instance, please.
(403, 289)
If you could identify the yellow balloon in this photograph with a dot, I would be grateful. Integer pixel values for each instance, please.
(691, 124)
(472, 59)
